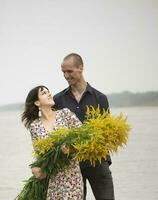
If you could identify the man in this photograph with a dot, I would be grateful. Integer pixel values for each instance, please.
(77, 97)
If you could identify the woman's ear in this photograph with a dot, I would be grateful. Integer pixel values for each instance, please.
(37, 103)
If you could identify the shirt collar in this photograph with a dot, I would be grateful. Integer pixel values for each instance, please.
(88, 89)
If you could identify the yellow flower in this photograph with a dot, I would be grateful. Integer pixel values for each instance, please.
(100, 134)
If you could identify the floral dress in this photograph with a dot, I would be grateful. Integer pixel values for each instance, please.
(67, 184)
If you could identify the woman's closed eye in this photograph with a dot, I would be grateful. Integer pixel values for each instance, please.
(45, 92)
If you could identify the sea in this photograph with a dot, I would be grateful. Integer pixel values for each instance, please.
(134, 168)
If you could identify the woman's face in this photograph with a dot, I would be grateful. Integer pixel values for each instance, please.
(45, 98)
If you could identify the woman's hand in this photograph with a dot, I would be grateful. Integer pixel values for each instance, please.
(37, 172)
(65, 149)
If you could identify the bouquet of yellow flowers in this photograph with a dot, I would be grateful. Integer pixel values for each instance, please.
(100, 135)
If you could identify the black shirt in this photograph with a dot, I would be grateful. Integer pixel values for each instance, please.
(91, 97)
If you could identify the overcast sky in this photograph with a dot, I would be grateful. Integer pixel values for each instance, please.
(118, 40)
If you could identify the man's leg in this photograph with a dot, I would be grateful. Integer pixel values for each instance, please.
(101, 182)
(83, 171)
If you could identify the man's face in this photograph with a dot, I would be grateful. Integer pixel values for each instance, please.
(71, 72)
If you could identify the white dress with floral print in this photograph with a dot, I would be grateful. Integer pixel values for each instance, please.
(68, 184)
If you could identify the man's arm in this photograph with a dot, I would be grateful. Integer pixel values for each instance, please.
(103, 103)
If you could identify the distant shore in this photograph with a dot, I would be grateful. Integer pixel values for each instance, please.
(123, 99)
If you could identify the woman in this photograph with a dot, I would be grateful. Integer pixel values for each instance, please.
(40, 119)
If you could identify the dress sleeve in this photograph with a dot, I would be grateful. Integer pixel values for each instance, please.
(72, 120)
(33, 131)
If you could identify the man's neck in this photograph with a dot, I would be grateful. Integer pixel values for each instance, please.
(79, 88)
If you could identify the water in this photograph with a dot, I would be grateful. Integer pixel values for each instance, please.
(134, 168)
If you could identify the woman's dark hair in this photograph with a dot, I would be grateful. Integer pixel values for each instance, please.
(31, 110)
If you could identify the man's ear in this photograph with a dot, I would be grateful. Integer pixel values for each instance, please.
(81, 67)
(37, 103)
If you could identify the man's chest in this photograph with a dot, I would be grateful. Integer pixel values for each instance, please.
(79, 108)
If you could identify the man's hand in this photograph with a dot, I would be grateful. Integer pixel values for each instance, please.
(65, 149)
(37, 172)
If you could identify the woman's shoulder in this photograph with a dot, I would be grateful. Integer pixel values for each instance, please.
(64, 111)
(66, 114)
(34, 123)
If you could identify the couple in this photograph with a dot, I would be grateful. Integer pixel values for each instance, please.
(44, 113)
